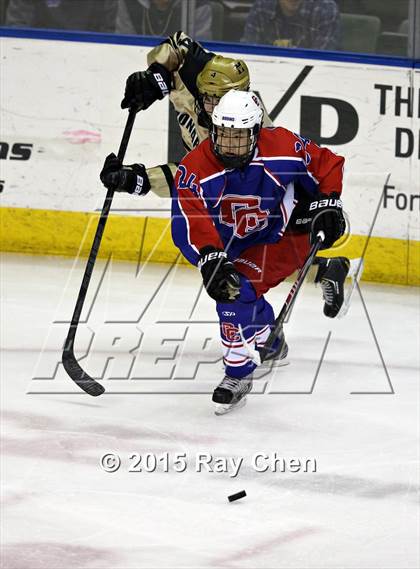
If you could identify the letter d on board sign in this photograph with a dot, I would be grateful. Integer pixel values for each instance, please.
(310, 120)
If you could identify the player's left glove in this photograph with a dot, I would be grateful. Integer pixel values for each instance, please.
(219, 275)
(143, 88)
(132, 179)
(327, 216)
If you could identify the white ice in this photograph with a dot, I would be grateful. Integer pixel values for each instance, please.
(152, 339)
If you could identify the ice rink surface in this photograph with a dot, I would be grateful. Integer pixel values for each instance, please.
(348, 402)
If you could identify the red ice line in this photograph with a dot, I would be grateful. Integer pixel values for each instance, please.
(265, 546)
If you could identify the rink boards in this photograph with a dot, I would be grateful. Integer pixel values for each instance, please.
(60, 117)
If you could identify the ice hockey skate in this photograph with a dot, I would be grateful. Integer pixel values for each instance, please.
(277, 356)
(231, 394)
(331, 275)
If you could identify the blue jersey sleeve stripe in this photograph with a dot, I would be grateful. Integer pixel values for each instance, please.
(180, 234)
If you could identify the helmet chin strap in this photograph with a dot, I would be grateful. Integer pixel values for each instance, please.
(233, 162)
(203, 118)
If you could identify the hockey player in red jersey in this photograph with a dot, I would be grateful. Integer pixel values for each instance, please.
(235, 194)
(246, 204)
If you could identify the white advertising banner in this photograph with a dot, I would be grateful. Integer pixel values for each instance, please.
(60, 117)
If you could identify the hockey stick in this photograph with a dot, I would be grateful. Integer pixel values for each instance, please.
(355, 274)
(76, 373)
(291, 297)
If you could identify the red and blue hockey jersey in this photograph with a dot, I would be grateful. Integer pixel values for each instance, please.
(237, 209)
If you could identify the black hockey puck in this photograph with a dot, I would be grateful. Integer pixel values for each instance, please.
(237, 496)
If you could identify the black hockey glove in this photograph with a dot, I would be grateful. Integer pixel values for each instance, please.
(327, 216)
(132, 179)
(219, 275)
(145, 87)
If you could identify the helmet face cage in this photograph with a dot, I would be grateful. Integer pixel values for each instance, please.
(209, 102)
(204, 106)
(234, 146)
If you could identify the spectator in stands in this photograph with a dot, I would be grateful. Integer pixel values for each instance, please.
(87, 15)
(313, 24)
(161, 17)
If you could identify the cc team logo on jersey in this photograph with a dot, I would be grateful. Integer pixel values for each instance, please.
(243, 214)
(230, 332)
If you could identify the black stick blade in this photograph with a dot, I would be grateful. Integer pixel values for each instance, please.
(79, 376)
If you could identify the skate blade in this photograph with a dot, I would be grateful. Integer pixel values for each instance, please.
(269, 367)
(221, 409)
(271, 364)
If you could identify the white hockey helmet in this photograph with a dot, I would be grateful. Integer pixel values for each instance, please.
(236, 123)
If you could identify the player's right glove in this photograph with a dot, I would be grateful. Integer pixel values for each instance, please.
(132, 179)
(327, 216)
(220, 277)
(145, 87)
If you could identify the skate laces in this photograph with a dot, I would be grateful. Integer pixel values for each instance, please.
(234, 385)
(229, 383)
(329, 290)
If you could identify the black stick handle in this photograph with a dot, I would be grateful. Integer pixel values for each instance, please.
(97, 239)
